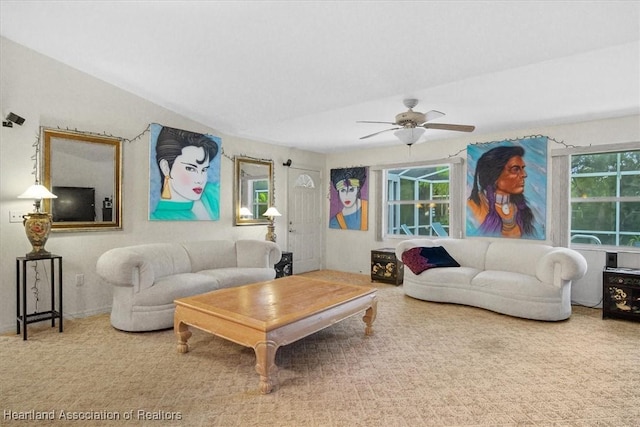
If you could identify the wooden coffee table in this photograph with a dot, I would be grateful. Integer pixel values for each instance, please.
(267, 315)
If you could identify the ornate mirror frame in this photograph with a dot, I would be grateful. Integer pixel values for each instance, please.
(79, 168)
(253, 190)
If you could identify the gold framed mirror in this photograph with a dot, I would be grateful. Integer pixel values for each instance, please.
(85, 172)
(253, 190)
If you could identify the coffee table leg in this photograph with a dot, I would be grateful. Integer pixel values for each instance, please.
(266, 365)
(183, 334)
(370, 316)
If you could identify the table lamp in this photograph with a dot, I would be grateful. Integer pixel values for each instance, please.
(245, 213)
(37, 224)
(271, 213)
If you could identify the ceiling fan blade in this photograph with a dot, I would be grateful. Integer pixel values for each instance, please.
(377, 133)
(367, 121)
(445, 126)
(432, 115)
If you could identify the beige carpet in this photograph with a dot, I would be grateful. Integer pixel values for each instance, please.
(426, 365)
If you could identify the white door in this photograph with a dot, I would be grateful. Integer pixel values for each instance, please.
(304, 213)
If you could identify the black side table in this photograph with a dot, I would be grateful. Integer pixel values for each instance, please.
(23, 319)
(285, 266)
(621, 293)
(385, 267)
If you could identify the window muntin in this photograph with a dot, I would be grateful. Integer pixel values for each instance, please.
(416, 198)
(260, 196)
(605, 198)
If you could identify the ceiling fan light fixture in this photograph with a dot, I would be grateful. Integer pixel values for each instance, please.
(409, 136)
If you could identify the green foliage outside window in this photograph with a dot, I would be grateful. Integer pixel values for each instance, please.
(260, 197)
(416, 198)
(605, 198)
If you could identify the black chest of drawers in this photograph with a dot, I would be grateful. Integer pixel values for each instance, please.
(385, 267)
(621, 293)
(284, 267)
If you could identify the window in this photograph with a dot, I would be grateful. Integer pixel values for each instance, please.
(605, 198)
(260, 192)
(417, 200)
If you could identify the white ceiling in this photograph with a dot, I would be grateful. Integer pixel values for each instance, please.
(301, 73)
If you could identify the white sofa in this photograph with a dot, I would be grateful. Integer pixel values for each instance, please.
(518, 278)
(147, 278)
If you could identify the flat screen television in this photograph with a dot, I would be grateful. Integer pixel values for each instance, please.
(74, 204)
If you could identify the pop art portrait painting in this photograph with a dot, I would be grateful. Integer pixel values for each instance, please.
(349, 204)
(184, 169)
(507, 189)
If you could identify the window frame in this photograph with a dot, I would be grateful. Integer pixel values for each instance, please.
(259, 206)
(456, 196)
(562, 200)
(617, 199)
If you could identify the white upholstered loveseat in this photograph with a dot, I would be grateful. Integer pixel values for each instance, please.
(518, 278)
(147, 278)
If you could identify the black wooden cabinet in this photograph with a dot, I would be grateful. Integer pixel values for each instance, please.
(285, 266)
(621, 293)
(385, 267)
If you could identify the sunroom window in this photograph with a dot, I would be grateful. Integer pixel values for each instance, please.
(417, 200)
(260, 195)
(605, 198)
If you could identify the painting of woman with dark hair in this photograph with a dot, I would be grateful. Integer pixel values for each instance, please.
(497, 205)
(183, 161)
(350, 208)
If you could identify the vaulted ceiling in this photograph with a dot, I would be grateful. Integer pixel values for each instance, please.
(301, 74)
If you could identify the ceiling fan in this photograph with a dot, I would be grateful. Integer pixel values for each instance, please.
(412, 124)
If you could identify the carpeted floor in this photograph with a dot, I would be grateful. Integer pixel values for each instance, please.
(427, 364)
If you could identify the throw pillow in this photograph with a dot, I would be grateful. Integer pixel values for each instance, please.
(439, 257)
(414, 260)
(420, 259)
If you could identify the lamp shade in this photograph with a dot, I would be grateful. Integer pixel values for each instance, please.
(271, 212)
(245, 212)
(37, 192)
(409, 135)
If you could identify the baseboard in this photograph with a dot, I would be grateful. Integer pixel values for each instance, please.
(587, 304)
(8, 328)
(87, 313)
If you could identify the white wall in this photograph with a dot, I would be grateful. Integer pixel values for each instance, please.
(350, 250)
(48, 93)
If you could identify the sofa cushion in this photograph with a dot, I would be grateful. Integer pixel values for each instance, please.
(517, 257)
(208, 254)
(468, 252)
(251, 255)
(420, 259)
(227, 277)
(141, 266)
(522, 286)
(449, 276)
(169, 288)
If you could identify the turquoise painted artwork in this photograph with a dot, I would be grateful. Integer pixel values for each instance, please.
(507, 189)
(184, 175)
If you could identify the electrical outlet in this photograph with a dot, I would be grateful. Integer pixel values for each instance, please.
(16, 216)
(79, 279)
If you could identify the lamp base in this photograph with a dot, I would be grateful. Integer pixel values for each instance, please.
(38, 254)
(37, 225)
(271, 235)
